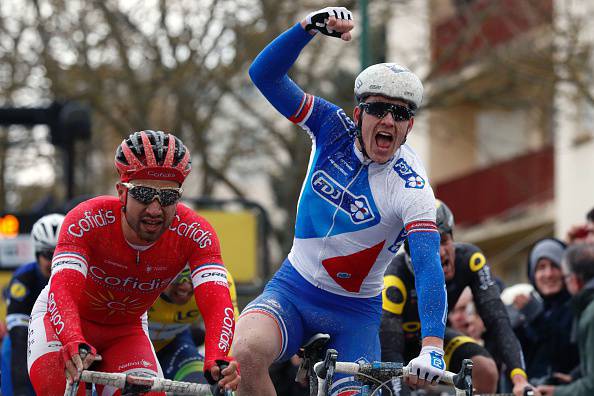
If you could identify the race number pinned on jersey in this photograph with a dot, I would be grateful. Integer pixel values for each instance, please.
(410, 177)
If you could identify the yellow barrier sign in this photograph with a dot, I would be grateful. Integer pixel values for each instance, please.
(4, 280)
(238, 235)
(9, 226)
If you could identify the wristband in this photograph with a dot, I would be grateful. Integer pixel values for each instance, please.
(517, 371)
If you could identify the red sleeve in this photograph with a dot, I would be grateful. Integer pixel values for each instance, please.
(214, 301)
(69, 271)
(211, 291)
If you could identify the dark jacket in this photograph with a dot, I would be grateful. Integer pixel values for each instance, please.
(583, 303)
(545, 323)
(545, 336)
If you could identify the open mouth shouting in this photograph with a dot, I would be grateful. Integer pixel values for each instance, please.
(384, 140)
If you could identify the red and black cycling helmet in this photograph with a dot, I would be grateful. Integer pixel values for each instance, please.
(153, 155)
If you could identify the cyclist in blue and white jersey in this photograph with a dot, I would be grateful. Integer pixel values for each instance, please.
(25, 285)
(365, 192)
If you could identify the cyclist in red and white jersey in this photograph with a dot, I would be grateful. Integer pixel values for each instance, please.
(114, 257)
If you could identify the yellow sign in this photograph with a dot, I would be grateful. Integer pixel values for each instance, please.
(238, 235)
(9, 226)
(4, 280)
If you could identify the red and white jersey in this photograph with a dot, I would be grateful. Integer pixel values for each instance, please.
(98, 276)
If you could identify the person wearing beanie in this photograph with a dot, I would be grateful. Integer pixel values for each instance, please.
(545, 320)
(578, 273)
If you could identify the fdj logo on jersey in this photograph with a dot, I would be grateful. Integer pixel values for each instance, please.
(357, 208)
(410, 177)
(398, 242)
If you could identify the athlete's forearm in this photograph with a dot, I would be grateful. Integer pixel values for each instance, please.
(429, 282)
(269, 70)
(214, 302)
(66, 286)
(494, 315)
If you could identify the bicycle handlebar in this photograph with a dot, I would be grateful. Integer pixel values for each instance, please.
(382, 372)
(121, 381)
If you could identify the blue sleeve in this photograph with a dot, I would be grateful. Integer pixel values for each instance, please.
(269, 70)
(429, 282)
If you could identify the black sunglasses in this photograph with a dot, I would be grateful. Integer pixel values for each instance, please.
(145, 194)
(381, 109)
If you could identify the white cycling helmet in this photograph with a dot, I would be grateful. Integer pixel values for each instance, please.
(390, 80)
(45, 232)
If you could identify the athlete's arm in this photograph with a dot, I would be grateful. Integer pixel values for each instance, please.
(269, 70)
(17, 321)
(492, 311)
(66, 285)
(211, 291)
(423, 241)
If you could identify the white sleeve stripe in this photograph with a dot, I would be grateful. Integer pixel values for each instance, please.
(309, 111)
(208, 267)
(69, 255)
(15, 320)
(301, 104)
(209, 274)
(69, 262)
(422, 230)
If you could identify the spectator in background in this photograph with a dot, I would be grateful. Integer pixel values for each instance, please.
(543, 325)
(578, 269)
(27, 282)
(465, 319)
(458, 316)
(169, 322)
(582, 233)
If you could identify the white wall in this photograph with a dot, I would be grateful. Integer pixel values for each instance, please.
(494, 143)
(408, 44)
(574, 132)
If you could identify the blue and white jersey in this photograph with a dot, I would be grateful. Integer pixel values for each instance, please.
(352, 212)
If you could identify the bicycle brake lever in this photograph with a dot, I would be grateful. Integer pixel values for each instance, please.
(72, 388)
(302, 371)
(216, 390)
(463, 380)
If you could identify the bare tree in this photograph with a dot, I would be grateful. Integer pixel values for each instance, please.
(182, 66)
